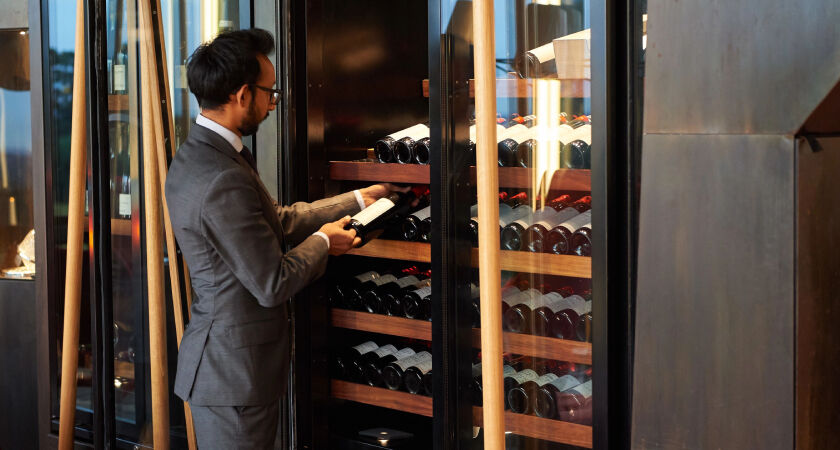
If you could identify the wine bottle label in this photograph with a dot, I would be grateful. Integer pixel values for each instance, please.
(367, 276)
(587, 225)
(507, 371)
(584, 389)
(125, 204)
(538, 216)
(424, 366)
(587, 308)
(424, 283)
(559, 217)
(525, 375)
(521, 134)
(404, 353)
(565, 382)
(476, 370)
(373, 211)
(577, 221)
(423, 213)
(510, 131)
(509, 296)
(407, 281)
(584, 133)
(475, 291)
(576, 303)
(474, 131)
(545, 379)
(543, 53)
(514, 215)
(368, 346)
(553, 301)
(423, 292)
(385, 351)
(411, 131)
(529, 298)
(413, 360)
(417, 133)
(384, 279)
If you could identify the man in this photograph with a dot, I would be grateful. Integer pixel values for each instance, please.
(234, 356)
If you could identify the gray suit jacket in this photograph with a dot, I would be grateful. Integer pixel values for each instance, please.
(235, 350)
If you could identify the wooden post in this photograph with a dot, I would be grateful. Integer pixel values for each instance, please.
(154, 252)
(75, 239)
(487, 177)
(159, 114)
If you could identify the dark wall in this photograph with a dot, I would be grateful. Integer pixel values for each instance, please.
(18, 388)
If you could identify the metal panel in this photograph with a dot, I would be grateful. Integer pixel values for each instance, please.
(19, 420)
(15, 14)
(818, 282)
(715, 306)
(756, 66)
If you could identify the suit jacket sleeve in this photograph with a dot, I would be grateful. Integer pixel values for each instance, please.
(302, 219)
(234, 223)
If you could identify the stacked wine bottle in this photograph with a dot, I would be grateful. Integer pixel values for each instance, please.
(396, 367)
(405, 293)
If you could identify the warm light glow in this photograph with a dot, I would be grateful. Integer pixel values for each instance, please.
(547, 157)
(23, 32)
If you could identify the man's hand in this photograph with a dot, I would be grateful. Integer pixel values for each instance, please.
(341, 240)
(373, 193)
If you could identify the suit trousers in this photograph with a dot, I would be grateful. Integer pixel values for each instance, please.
(236, 427)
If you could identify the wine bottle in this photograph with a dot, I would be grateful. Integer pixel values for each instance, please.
(475, 303)
(340, 293)
(378, 214)
(476, 392)
(405, 146)
(520, 199)
(413, 376)
(522, 398)
(509, 297)
(354, 299)
(583, 204)
(513, 234)
(471, 146)
(357, 365)
(537, 233)
(582, 241)
(411, 226)
(584, 323)
(512, 137)
(392, 374)
(373, 369)
(513, 381)
(518, 317)
(428, 384)
(548, 306)
(395, 302)
(564, 322)
(576, 153)
(555, 137)
(575, 404)
(559, 238)
(422, 151)
(547, 394)
(384, 148)
(560, 203)
(412, 302)
(537, 62)
(342, 361)
(374, 300)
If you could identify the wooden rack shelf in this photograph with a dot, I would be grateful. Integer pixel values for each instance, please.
(524, 87)
(546, 429)
(117, 102)
(402, 250)
(509, 177)
(521, 344)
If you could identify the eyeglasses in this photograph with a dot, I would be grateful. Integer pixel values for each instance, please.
(275, 93)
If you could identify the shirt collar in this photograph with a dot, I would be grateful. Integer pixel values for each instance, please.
(234, 140)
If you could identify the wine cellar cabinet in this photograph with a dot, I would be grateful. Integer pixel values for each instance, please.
(387, 347)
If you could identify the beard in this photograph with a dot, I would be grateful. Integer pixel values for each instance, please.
(251, 123)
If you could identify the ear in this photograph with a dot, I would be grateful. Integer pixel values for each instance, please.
(242, 96)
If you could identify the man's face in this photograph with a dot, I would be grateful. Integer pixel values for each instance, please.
(260, 100)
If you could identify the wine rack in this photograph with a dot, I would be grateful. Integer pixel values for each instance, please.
(523, 425)
(548, 264)
(523, 344)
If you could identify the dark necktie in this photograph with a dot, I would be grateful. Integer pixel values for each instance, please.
(249, 157)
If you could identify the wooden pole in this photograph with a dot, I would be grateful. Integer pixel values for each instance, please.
(488, 214)
(154, 252)
(153, 72)
(75, 239)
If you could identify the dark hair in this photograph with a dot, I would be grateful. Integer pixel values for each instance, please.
(218, 68)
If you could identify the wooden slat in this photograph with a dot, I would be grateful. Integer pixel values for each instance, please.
(121, 227)
(402, 250)
(522, 344)
(515, 177)
(386, 398)
(117, 102)
(532, 426)
(545, 429)
(378, 323)
(522, 88)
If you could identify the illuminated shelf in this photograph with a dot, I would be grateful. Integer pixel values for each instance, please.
(402, 250)
(509, 177)
(522, 344)
(524, 87)
(523, 425)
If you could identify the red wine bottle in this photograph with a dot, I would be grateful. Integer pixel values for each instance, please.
(422, 151)
(537, 62)
(546, 397)
(560, 203)
(375, 300)
(475, 389)
(412, 226)
(343, 360)
(583, 204)
(340, 293)
(514, 381)
(576, 154)
(475, 303)
(559, 238)
(519, 132)
(377, 215)
(536, 234)
(354, 299)
(582, 241)
(510, 294)
(395, 302)
(373, 368)
(392, 374)
(575, 404)
(412, 302)
(583, 327)
(404, 148)
(513, 234)
(564, 322)
(357, 365)
(414, 375)
(384, 149)
(549, 305)
(518, 200)
(471, 146)
(518, 317)
(523, 398)
(553, 139)
(428, 384)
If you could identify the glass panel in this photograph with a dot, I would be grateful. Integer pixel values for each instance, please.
(544, 133)
(17, 234)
